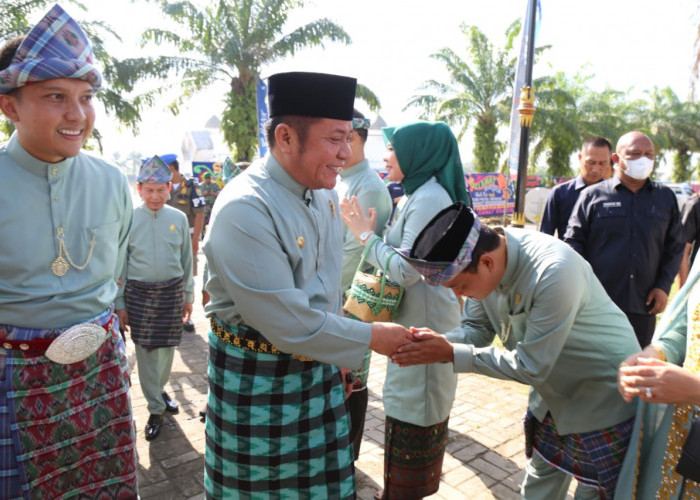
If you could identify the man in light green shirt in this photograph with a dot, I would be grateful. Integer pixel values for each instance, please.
(276, 417)
(358, 179)
(561, 334)
(157, 290)
(65, 421)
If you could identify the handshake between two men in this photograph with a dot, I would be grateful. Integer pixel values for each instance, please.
(410, 346)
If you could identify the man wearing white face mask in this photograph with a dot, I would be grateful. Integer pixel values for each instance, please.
(628, 228)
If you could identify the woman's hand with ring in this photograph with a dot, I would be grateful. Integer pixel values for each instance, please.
(354, 218)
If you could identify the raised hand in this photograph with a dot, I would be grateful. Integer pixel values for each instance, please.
(354, 219)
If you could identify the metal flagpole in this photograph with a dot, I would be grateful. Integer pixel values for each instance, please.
(526, 110)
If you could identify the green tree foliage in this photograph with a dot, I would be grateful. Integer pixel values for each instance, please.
(232, 42)
(555, 130)
(673, 126)
(14, 16)
(479, 91)
(119, 76)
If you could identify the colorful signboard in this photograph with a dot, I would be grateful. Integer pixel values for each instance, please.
(491, 194)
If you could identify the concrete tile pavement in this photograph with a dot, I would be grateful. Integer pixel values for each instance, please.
(484, 458)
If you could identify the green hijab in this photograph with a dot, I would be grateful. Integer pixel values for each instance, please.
(425, 150)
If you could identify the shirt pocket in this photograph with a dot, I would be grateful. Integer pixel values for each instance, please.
(659, 220)
(514, 331)
(612, 218)
(659, 213)
(173, 240)
(106, 237)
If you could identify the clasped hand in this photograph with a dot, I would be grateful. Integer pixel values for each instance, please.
(656, 381)
(408, 347)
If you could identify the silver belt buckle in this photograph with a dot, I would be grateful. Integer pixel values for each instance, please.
(76, 343)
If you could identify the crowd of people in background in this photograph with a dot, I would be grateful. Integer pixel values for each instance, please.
(612, 395)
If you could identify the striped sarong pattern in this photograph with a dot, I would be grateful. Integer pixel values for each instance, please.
(413, 458)
(276, 427)
(155, 312)
(593, 458)
(66, 430)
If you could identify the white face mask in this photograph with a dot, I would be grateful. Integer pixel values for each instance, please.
(640, 168)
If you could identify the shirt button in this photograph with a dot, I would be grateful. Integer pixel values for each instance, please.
(631, 276)
(54, 170)
(24, 347)
(7, 345)
(55, 198)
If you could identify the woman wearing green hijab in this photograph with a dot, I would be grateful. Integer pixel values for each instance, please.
(424, 157)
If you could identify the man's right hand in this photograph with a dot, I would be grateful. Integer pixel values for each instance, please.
(387, 337)
(123, 317)
(429, 347)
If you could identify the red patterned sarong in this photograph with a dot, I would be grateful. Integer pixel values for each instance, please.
(71, 425)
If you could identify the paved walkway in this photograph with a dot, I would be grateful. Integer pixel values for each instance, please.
(484, 457)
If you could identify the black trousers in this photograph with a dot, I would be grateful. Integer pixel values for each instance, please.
(357, 406)
(644, 326)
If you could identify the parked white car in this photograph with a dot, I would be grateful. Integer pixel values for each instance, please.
(682, 191)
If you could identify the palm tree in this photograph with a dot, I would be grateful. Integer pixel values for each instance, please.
(555, 131)
(232, 42)
(672, 125)
(479, 90)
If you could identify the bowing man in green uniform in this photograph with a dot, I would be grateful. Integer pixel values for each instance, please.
(562, 335)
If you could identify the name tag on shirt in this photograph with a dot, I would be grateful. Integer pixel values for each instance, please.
(611, 204)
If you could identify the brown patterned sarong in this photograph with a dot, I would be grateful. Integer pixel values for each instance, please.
(155, 312)
(413, 458)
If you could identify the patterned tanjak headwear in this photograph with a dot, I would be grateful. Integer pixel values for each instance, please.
(154, 171)
(55, 48)
(444, 247)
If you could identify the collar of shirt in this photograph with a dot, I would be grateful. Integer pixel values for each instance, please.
(33, 165)
(279, 174)
(513, 256)
(149, 211)
(578, 183)
(355, 169)
(616, 184)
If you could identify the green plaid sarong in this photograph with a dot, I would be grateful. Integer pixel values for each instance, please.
(276, 427)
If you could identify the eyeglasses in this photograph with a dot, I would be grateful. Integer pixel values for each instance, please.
(360, 123)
